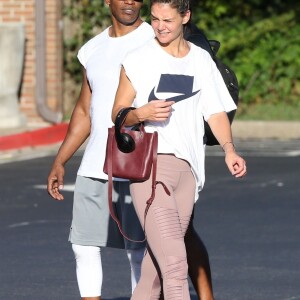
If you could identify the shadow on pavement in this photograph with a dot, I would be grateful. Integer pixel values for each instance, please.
(193, 297)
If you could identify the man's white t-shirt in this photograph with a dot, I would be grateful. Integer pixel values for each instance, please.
(196, 86)
(102, 57)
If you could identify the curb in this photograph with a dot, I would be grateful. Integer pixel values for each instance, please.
(281, 130)
(40, 137)
(47, 136)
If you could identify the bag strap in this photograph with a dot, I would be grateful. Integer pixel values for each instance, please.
(110, 191)
(154, 182)
(122, 115)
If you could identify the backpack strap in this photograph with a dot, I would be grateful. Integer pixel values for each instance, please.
(215, 46)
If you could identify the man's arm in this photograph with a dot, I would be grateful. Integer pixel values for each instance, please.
(78, 131)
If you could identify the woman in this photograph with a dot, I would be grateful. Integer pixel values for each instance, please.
(174, 85)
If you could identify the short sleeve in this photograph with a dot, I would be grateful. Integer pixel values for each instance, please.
(131, 69)
(82, 57)
(215, 95)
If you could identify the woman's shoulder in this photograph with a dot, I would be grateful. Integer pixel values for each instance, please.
(200, 52)
(201, 57)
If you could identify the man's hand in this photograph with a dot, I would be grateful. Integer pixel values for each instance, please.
(56, 182)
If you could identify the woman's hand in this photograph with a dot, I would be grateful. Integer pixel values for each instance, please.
(235, 163)
(155, 110)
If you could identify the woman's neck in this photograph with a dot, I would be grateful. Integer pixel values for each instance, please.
(178, 48)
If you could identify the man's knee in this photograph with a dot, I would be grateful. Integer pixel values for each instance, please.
(85, 252)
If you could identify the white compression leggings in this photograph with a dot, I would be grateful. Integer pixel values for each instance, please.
(89, 268)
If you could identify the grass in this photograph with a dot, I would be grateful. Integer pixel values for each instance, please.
(268, 112)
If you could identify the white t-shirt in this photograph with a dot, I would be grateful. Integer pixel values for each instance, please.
(102, 57)
(194, 83)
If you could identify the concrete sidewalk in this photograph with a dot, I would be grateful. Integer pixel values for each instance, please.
(281, 130)
(21, 143)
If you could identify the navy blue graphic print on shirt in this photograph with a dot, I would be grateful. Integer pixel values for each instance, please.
(177, 84)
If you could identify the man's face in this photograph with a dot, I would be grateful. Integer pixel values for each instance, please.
(126, 12)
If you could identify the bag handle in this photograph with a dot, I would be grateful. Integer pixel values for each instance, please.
(124, 141)
(121, 116)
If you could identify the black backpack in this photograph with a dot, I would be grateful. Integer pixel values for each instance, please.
(197, 37)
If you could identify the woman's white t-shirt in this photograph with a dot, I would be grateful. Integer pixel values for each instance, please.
(196, 86)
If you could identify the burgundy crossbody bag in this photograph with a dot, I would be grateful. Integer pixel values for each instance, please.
(131, 153)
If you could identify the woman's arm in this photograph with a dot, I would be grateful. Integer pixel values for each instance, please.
(156, 110)
(221, 129)
(124, 98)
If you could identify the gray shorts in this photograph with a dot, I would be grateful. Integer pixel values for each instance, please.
(92, 224)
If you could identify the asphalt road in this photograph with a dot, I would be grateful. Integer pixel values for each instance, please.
(251, 228)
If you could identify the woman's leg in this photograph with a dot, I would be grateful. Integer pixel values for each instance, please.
(166, 223)
(149, 285)
(88, 271)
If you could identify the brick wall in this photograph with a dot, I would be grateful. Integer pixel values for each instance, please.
(12, 11)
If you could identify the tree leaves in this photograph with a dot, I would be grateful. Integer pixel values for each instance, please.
(259, 41)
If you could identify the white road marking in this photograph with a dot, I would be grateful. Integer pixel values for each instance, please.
(67, 187)
(27, 223)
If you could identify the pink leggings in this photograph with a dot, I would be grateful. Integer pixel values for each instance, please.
(166, 223)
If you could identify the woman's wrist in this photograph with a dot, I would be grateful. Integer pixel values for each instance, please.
(228, 147)
(138, 116)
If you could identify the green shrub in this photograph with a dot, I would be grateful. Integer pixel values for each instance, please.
(259, 39)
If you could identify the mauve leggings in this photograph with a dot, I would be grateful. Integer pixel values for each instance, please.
(166, 223)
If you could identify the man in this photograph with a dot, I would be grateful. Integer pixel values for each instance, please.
(92, 227)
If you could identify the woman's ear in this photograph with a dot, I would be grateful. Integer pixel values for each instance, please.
(186, 17)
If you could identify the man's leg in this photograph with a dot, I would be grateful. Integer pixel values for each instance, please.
(130, 223)
(135, 258)
(198, 262)
(88, 271)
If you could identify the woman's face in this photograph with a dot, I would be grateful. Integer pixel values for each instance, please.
(167, 22)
